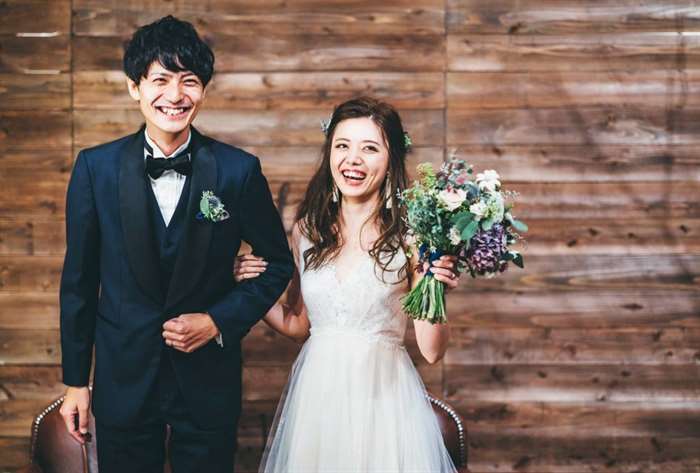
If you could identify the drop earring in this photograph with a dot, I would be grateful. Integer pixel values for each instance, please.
(336, 194)
(387, 193)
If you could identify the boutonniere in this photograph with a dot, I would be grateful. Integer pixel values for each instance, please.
(211, 208)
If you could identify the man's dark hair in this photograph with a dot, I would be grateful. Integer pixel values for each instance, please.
(173, 43)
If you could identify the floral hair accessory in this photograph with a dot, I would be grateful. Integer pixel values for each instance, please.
(326, 125)
(407, 141)
(211, 208)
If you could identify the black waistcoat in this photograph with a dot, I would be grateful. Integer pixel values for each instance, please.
(168, 238)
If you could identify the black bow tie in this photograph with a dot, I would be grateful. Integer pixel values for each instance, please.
(155, 167)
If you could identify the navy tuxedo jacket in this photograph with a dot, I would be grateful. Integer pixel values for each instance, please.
(114, 298)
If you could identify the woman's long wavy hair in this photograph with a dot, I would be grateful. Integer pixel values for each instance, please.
(318, 215)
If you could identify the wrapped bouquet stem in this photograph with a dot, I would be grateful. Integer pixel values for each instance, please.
(452, 212)
(427, 299)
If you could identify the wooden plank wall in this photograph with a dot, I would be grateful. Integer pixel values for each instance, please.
(589, 360)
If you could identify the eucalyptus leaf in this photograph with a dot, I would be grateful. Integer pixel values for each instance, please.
(517, 259)
(470, 230)
(488, 223)
(519, 225)
(462, 219)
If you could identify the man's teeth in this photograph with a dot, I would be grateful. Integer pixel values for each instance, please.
(172, 111)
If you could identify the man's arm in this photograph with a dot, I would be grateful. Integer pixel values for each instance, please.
(262, 228)
(80, 279)
(78, 294)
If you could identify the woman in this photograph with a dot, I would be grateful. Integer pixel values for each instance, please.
(354, 401)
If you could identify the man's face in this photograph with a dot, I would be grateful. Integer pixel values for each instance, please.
(169, 100)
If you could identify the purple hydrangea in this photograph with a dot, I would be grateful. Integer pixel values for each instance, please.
(487, 250)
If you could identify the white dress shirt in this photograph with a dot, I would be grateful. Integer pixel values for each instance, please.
(168, 188)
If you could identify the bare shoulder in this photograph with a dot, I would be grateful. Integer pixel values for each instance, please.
(297, 234)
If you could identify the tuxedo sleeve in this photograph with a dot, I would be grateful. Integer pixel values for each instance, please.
(262, 228)
(80, 277)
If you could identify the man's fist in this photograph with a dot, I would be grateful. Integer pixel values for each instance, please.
(189, 332)
(75, 412)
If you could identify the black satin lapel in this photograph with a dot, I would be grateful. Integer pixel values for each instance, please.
(194, 247)
(136, 224)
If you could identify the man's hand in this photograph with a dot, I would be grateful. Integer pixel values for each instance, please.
(189, 332)
(75, 411)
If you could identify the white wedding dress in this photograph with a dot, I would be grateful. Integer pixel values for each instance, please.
(354, 401)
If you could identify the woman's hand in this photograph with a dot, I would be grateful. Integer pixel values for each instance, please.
(445, 270)
(248, 267)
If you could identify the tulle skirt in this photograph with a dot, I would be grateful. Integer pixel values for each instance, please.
(354, 403)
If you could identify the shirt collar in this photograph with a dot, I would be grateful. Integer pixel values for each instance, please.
(157, 153)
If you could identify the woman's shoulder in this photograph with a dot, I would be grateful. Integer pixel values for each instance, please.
(300, 243)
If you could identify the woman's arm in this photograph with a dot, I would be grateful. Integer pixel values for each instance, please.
(433, 338)
(288, 318)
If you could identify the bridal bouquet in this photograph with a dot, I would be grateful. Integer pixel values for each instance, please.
(453, 212)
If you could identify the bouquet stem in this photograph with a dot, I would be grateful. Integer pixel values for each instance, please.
(426, 301)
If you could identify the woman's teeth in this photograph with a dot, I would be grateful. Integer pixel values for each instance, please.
(354, 175)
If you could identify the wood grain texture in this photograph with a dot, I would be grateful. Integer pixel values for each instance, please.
(581, 309)
(267, 17)
(583, 163)
(34, 54)
(542, 17)
(35, 16)
(29, 310)
(615, 236)
(24, 196)
(277, 90)
(45, 131)
(29, 236)
(14, 452)
(573, 53)
(670, 346)
(581, 383)
(662, 89)
(299, 52)
(580, 437)
(35, 92)
(584, 126)
(622, 273)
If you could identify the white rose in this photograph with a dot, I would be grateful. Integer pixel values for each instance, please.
(452, 199)
(488, 180)
(478, 209)
(455, 237)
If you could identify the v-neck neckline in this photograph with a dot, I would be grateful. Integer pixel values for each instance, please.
(353, 270)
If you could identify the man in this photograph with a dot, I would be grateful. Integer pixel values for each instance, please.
(153, 222)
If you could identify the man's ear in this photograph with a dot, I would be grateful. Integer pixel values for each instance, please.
(133, 88)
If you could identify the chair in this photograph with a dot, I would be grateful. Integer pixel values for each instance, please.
(453, 431)
(53, 450)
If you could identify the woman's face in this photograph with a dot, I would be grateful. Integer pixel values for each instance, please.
(359, 159)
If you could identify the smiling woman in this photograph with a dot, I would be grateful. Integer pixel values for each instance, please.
(359, 159)
(344, 303)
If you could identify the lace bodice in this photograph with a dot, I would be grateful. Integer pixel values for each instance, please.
(359, 302)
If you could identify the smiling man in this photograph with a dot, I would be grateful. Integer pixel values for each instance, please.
(153, 223)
